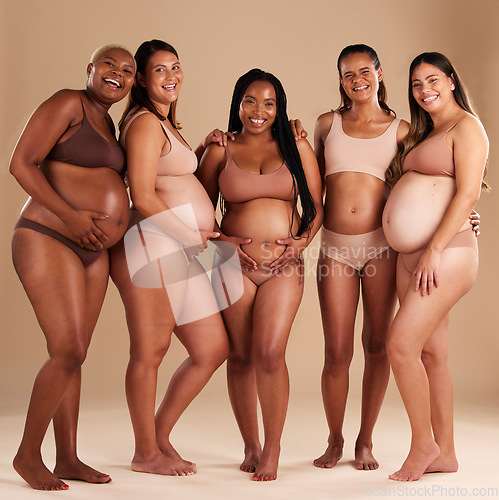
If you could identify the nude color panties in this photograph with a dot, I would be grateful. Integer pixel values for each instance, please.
(354, 250)
(463, 239)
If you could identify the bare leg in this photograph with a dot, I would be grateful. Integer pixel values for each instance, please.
(338, 287)
(441, 399)
(68, 465)
(276, 304)
(207, 344)
(241, 377)
(54, 280)
(406, 341)
(150, 324)
(378, 297)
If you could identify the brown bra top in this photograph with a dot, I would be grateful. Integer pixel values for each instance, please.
(87, 148)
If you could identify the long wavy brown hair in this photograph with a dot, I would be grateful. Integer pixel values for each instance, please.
(421, 122)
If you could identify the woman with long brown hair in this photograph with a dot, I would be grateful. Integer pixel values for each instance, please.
(437, 177)
(171, 217)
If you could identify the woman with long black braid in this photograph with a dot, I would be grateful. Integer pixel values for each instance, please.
(260, 177)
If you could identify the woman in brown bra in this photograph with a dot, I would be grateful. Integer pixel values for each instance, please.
(260, 178)
(162, 286)
(68, 161)
(437, 175)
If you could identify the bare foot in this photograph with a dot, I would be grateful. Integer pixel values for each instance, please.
(331, 456)
(364, 459)
(267, 468)
(76, 469)
(416, 463)
(251, 459)
(443, 464)
(37, 475)
(159, 464)
(169, 451)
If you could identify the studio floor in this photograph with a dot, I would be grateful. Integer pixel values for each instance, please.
(207, 435)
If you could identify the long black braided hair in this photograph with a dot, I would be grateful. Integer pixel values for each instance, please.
(285, 140)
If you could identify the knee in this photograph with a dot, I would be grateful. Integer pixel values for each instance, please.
(240, 362)
(270, 360)
(148, 356)
(71, 358)
(337, 359)
(397, 352)
(374, 348)
(212, 357)
(433, 359)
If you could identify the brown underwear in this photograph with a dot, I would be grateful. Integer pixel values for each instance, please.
(86, 256)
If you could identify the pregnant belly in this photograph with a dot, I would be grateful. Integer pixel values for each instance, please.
(414, 210)
(98, 189)
(186, 192)
(263, 220)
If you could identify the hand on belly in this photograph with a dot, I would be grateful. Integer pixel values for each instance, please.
(263, 252)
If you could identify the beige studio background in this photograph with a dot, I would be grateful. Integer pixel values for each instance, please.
(46, 46)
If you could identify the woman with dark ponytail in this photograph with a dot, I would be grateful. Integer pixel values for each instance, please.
(163, 287)
(260, 178)
(354, 145)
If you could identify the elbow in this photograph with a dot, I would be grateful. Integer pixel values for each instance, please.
(319, 212)
(469, 198)
(143, 202)
(15, 169)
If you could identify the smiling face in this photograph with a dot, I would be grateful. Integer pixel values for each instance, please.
(258, 107)
(359, 77)
(431, 87)
(162, 78)
(110, 75)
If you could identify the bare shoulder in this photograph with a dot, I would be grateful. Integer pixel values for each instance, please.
(214, 152)
(65, 102)
(469, 128)
(325, 118)
(323, 124)
(145, 123)
(402, 130)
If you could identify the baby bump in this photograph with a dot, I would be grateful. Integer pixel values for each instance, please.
(185, 195)
(98, 189)
(415, 209)
(263, 221)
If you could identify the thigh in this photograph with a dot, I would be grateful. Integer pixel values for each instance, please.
(379, 293)
(196, 294)
(204, 338)
(54, 279)
(238, 319)
(339, 286)
(96, 280)
(276, 304)
(418, 317)
(149, 314)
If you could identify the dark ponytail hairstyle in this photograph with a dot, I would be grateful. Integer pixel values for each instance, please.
(285, 140)
(421, 122)
(360, 48)
(138, 95)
